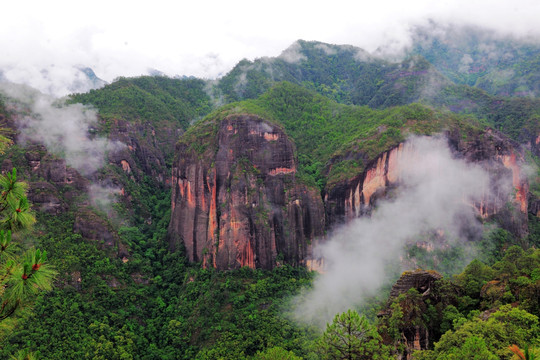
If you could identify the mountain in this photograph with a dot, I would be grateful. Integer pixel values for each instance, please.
(350, 75)
(203, 222)
(236, 175)
(344, 73)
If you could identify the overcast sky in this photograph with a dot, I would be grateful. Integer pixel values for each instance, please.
(206, 38)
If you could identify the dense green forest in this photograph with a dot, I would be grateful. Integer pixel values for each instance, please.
(154, 99)
(184, 311)
(341, 107)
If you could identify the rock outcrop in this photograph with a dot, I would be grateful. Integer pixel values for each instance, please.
(534, 207)
(355, 197)
(93, 227)
(414, 333)
(236, 199)
(421, 280)
(57, 184)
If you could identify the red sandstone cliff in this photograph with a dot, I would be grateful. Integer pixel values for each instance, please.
(236, 200)
(495, 152)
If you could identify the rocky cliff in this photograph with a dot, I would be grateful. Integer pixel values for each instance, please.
(236, 199)
(495, 152)
(60, 190)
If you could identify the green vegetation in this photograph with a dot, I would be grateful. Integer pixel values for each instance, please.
(350, 336)
(476, 338)
(477, 314)
(158, 306)
(342, 108)
(184, 312)
(25, 272)
(150, 99)
(430, 75)
(343, 73)
(340, 139)
(500, 65)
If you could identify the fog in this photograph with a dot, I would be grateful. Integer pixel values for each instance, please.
(66, 130)
(45, 46)
(435, 192)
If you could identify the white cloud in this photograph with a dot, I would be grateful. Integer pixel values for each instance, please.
(207, 38)
(435, 192)
(292, 54)
(63, 129)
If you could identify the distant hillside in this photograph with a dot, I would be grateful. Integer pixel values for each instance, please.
(151, 99)
(349, 75)
(432, 74)
(499, 64)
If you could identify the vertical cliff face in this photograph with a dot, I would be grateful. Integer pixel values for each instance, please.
(351, 199)
(534, 201)
(238, 203)
(498, 155)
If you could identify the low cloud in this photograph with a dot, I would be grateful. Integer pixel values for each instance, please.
(293, 54)
(103, 197)
(45, 46)
(64, 129)
(465, 63)
(327, 49)
(436, 194)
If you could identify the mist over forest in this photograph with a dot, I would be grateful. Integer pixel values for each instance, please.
(372, 197)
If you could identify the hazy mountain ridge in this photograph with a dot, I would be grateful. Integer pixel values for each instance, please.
(350, 75)
(500, 64)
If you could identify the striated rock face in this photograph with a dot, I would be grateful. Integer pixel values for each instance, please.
(354, 198)
(504, 160)
(238, 203)
(534, 202)
(492, 149)
(496, 153)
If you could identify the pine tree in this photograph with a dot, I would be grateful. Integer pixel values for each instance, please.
(23, 274)
(351, 336)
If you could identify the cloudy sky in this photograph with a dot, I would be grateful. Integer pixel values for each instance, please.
(42, 41)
